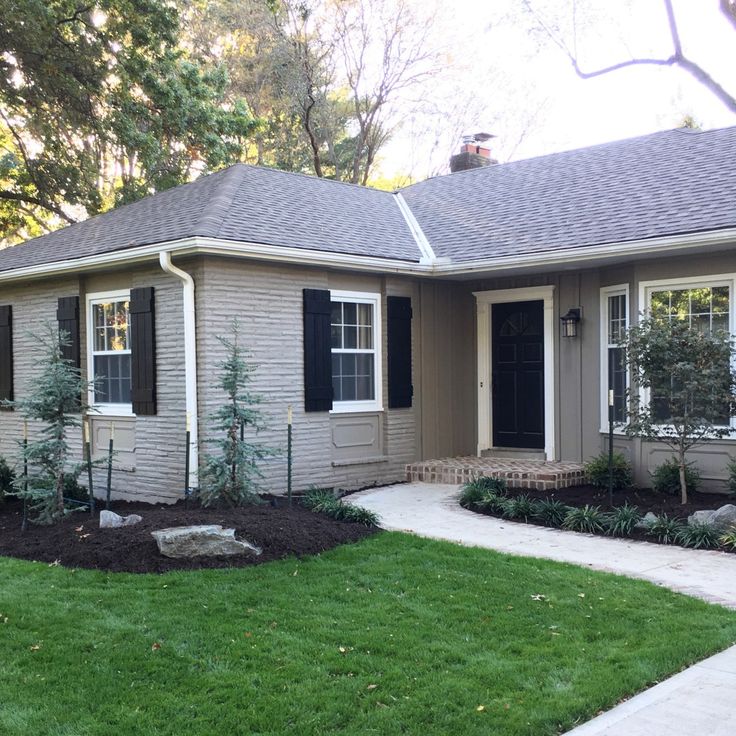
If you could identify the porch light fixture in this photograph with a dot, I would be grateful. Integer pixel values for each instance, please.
(570, 321)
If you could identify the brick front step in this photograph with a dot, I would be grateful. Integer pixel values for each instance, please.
(538, 475)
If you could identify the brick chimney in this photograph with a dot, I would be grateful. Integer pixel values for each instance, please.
(474, 153)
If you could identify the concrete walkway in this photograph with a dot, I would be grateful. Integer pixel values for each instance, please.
(700, 700)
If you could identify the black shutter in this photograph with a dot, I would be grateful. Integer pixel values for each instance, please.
(143, 351)
(6, 354)
(317, 351)
(400, 389)
(67, 315)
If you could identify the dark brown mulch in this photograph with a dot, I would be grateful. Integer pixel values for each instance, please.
(78, 541)
(644, 498)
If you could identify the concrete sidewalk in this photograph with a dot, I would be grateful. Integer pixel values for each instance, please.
(700, 700)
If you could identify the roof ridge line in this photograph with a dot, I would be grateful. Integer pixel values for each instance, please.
(425, 248)
(215, 210)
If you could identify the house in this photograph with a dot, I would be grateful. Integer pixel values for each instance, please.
(401, 327)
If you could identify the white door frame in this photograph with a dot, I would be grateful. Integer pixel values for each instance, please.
(484, 300)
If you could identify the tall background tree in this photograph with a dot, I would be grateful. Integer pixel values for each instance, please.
(99, 105)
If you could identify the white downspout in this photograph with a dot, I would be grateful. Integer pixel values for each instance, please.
(190, 361)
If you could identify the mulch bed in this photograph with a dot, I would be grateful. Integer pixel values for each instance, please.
(77, 541)
(644, 498)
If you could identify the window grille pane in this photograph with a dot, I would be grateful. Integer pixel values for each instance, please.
(112, 374)
(350, 313)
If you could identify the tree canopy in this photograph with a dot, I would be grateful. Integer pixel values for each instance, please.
(99, 105)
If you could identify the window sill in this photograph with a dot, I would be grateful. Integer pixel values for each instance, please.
(356, 407)
(111, 410)
(360, 461)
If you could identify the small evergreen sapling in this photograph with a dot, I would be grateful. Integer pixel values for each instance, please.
(54, 398)
(230, 475)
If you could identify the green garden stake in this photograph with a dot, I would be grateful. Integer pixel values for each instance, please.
(288, 454)
(610, 448)
(24, 521)
(109, 464)
(88, 447)
(186, 464)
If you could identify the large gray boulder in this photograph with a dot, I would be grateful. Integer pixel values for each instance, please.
(208, 540)
(111, 520)
(722, 519)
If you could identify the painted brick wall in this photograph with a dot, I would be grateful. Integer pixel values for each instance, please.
(267, 300)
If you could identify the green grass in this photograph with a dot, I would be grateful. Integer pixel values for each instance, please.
(394, 635)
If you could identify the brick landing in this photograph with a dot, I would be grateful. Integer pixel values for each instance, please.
(538, 475)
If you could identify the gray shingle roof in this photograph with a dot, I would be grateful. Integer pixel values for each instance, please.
(668, 183)
(241, 203)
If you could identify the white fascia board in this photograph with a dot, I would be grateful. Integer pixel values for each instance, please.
(428, 256)
(195, 246)
(650, 246)
(438, 267)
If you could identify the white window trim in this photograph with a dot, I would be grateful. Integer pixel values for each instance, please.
(363, 297)
(608, 291)
(484, 300)
(100, 408)
(721, 279)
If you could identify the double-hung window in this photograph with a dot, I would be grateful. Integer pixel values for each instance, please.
(614, 372)
(705, 304)
(109, 350)
(356, 355)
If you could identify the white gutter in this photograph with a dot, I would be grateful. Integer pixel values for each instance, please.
(190, 361)
(440, 267)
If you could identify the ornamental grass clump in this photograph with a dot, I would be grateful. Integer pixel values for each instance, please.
(699, 535)
(229, 477)
(474, 491)
(519, 507)
(324, 501)
(622, 521)
(665, 529)
(551, 512)
(588, 519)
(728, 540)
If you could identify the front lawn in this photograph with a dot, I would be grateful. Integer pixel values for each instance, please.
(392, 635)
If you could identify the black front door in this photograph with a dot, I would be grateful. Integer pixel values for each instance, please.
(517, 374)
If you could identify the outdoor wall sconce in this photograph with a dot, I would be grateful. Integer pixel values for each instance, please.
(570, 321)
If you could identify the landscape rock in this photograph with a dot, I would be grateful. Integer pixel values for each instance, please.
(208, 540)
(722, 519)
(701, 517)
(111, 520)
(648, 519)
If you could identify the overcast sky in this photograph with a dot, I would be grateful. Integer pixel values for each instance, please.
(521, 87)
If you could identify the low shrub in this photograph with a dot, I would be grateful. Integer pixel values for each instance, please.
(596, 471)
(72, 490)
(622, 520)
(324, 501)
(666, 478)
(700, 535)
(732, 476)
(588, 519)
(7, 476)
(519, 507)
(551, 512)
(665, 529)
(728, 540)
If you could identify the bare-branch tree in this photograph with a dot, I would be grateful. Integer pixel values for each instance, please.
(678, 58)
